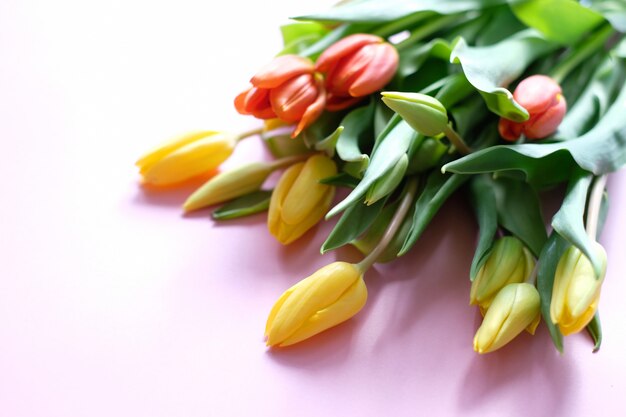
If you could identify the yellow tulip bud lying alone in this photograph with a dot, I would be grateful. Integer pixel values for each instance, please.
(332, 295)
(186, 157)
(508, 262)
(515, 307)
(299, 200)
(576, 290)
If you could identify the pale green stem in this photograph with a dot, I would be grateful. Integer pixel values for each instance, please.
(248, 133)
(426, 30)
(394, 225)
(582, 52)
(593, 208)
(288, 160)
(457, 141)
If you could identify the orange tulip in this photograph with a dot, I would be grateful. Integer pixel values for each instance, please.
(356, 66)
(287, 88)
(542, 97)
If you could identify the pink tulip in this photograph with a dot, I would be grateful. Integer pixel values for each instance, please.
(356, 66)
(542, 97)
(287, 88)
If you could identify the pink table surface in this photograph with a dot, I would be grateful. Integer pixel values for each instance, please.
(112, 303)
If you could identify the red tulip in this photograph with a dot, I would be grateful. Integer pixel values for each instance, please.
(287, 88)
(542, 97)
(356, 66)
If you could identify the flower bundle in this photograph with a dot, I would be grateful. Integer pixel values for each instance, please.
(405, 103)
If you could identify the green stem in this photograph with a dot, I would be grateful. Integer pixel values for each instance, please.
(593, 208)
(581, 52)
(426, 30)
(289, 160)
(457, 141)
(399, 25)
(407, 200)
(248, 133)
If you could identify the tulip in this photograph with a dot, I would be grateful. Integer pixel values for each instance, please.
(542, 97)
(299, 200)
(516, 307)
(576, 290)
(508, 262)
(186, 157)
(330, 296)
(288, 89)
(356, 66)
(228, 185)
(425, 114)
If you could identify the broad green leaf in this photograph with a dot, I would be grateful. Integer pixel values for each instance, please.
(353, 222)
(568, 221)
(299, 36)
(519, 212)
(388, 10)
(563, 21)
(357, 125)
(391, 147)
(328, 143)
(246, 205)
(600, 151)
(321, 129)
(548, 260)
(342, 179)
(502, 24)
(613, 10)
(437, 190)
(412, 59)
(595, 331)
(483, 199)
(490, 69)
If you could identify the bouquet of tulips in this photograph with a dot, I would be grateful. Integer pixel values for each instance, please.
(405, 103)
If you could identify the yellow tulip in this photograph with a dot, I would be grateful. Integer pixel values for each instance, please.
(508, 262)
(230, 184)
(299, 200)
(514, 308)
(330, 296)
(186, 157)
(576, 290)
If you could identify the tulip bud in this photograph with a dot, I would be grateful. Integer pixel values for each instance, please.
(422, 112)
(515, 308)
(186, 157)
(542, 97)
(576, 290)
(299, 200)
(356, 66)
(508, 262)
(286, 88)
(228, 185)
(330, 296)
(385, 185)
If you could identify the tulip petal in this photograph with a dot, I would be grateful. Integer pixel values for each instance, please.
(509, 130)
(335, 102)
(313, 111)
(279, 194)
(281, 69)
(536, 93)
(312, 294)
(381, 69)
(307, 192)
(546, 123)
(342, 48)
(291, 99)
(349, 304)
(288, 233)
(150, 158)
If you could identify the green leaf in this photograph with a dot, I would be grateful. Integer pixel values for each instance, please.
(328, 143)
(620, 49)
(483, 199)
(604, 211)
(357, 124)
(437, 190)
(388, 10)
(568, 221)
(353, 222)
(594, 328)
(342, 179)
(519, 212)
(492, 68)
(548, 260)
(391, 147)
(563, 21)
(411, 60)
(613, 10)
(600, 151)
(246, 205)
(299, 36)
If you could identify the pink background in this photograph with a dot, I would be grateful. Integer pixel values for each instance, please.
(114, 304)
